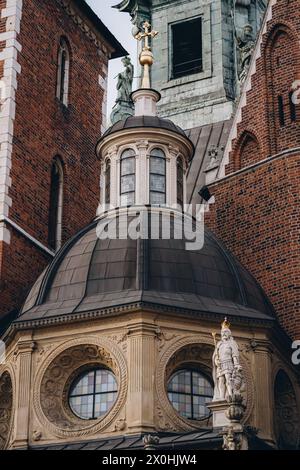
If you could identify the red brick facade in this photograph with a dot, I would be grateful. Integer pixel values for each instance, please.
(257, 209)
(44, 129)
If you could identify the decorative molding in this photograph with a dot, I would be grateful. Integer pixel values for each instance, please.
(121, 340)
(11, 68)
(246, 87)
(121, 309)
(56, 374)
(120, 425)
(190, 349)
(163, 338)
(85, 28)
(6, 409)
(7, 221)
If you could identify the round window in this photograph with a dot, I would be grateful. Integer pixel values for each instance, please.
(93, 394)
(189, 391)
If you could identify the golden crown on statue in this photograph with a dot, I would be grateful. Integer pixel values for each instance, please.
(225, 324)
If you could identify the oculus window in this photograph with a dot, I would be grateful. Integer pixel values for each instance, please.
(93, 394)
(189, 391)
(186, 48)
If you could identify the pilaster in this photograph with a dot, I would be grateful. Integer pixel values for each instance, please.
(141, 363)
(263, 408)
(23, 353)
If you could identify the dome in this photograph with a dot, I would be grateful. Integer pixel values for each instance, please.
(99, 277)
(134, 122)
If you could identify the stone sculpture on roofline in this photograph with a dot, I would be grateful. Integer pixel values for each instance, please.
(124, 105)
(227, 405)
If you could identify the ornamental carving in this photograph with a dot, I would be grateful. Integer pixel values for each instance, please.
(54, 379)
(6, 404)
(66, 4)
(163, 338)
(287, 427)
(197, 349)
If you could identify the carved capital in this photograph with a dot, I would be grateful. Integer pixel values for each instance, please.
(26, 347)
(142, 144)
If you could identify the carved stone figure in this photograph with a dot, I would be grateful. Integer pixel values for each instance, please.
(124, 106)
(125, 80)
(227, 371)
(245, 44)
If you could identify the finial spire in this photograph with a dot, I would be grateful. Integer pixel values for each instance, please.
(146, 56)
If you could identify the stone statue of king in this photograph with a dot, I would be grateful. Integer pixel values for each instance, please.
(227, 371)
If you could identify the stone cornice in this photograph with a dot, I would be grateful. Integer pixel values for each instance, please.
(247, 169)
(133, 307)
(87, 28)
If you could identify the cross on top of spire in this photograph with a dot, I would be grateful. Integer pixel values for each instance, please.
(146, 56)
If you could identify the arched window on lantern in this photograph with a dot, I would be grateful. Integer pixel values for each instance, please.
(127, 181)
(180, 182)
(107, 181)
(63, 72)
(56, 205)
(157, 177)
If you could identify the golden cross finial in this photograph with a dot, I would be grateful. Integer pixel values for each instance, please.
(146, 56)
(146, 35)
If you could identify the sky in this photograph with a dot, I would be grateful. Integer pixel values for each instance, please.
(120, 26)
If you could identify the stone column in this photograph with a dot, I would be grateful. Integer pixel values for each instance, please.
(263, 399)
(113, 176)
(22, 399)
(172, 175)
(142, 173)
(141, 362)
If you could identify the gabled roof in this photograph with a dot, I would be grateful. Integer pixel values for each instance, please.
(205, 139)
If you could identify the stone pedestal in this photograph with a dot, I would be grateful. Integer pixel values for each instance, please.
(218, 409)
(121, 110)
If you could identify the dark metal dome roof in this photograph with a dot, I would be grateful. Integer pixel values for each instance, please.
(144, 121)
(89, 274)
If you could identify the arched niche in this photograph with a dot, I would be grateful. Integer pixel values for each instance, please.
(6, 401)
(287, 425)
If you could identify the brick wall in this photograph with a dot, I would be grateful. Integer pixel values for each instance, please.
(257, 210)
(43, 129)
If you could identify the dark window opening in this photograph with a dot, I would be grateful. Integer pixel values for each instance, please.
(157, 177)
(293, 113)
(187, 48)
(281, 111)
(54, 206)
(107, 182)
(180, 182)
(62, 77)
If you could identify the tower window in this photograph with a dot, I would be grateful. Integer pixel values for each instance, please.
(180, 182)
(157, 177)
(189, 391)
(63, 71)
(127, 189)
(107, 182)
(186, 48)
(281, 111)
(293, 113)
(93, 394)
(56, 206)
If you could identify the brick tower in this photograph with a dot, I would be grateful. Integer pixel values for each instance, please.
(53, 68)
(257, 188)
